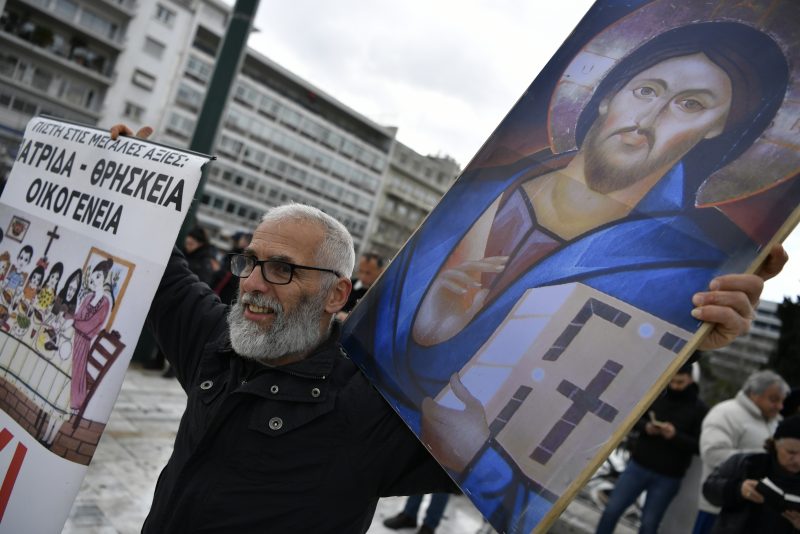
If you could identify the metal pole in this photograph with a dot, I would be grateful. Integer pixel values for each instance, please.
(227, 64)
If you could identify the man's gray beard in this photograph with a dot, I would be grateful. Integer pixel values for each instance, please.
(604, 176)
(290, 333)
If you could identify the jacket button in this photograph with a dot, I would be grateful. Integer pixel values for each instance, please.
(273, 389)
(315, 392)
(207, 384)
(276, 423)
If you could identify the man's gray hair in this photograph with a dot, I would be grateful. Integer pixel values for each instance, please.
(336, 251)
(758, 382)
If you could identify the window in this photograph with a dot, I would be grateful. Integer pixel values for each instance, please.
(180, 125)
(189, 97)
(76, 94)
(133, 111)
(41, 80)
(238, 121)
(8, 65)
(198, 69)
(143, 79)
(23, 106)
(290, 118)
(98, 24)
(153, 48)
(165, 15)
(246, 95)
(66, 8)
(230, 146)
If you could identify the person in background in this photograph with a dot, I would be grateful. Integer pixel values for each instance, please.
(224, 284)
(199, 254)
(408, 517)
(370, 267)
(738, 425)
(791, 404)
(668, 438)
(733, 485)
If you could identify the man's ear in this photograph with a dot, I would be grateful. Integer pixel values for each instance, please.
(337, 295)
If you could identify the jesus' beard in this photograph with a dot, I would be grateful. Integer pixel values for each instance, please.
(290, 333)
(605, 176)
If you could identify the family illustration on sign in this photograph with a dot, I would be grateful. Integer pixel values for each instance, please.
(55, 319)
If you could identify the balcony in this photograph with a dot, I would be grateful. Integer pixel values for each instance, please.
(74, 60)
(125, 7)
(67, 101)
(70, 17)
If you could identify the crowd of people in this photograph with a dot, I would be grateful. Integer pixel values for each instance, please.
(740, 442)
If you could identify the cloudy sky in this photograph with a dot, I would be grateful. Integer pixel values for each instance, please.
(444, 72)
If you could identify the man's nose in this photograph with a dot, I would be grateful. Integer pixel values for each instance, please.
(254, 282)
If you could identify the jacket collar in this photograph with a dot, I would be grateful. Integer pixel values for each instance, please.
(319, 363)
(750, 406)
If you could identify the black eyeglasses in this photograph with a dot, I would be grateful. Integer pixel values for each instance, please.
(276, 272)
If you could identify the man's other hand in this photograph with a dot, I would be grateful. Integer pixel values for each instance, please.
(732, 299)
(123, 129)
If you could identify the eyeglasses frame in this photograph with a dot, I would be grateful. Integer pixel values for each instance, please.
(260, 265)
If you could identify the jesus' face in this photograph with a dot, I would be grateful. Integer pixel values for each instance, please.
(654, 120)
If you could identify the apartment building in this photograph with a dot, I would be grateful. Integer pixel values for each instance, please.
(149, 62)
(57, 57)
(413, 186)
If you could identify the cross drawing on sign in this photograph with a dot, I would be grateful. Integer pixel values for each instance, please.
(583, 401)
(52, 234)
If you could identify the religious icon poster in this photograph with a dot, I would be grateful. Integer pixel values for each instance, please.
(89, 226)
(546, 301)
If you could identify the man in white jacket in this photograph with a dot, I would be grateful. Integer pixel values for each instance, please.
(740, 424)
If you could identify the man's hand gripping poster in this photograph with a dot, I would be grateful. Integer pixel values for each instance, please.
(547, 299)
(87, 225)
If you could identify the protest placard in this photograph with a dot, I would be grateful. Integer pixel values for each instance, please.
(88, 224)
(547, 299)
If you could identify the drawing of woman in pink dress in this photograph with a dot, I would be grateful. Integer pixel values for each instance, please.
(89, 319)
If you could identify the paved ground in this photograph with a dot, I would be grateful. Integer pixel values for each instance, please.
(116, 493)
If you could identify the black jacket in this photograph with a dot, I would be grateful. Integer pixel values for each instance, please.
(739, 516)
(306, 447)
(671, 457)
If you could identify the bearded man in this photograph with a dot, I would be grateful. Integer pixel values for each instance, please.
(281, 432)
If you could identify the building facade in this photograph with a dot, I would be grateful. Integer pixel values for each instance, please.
(57, 57)
(751, 351)
(149, 62)
(413, 186)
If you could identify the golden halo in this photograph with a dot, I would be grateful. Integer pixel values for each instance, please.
(774, 156)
